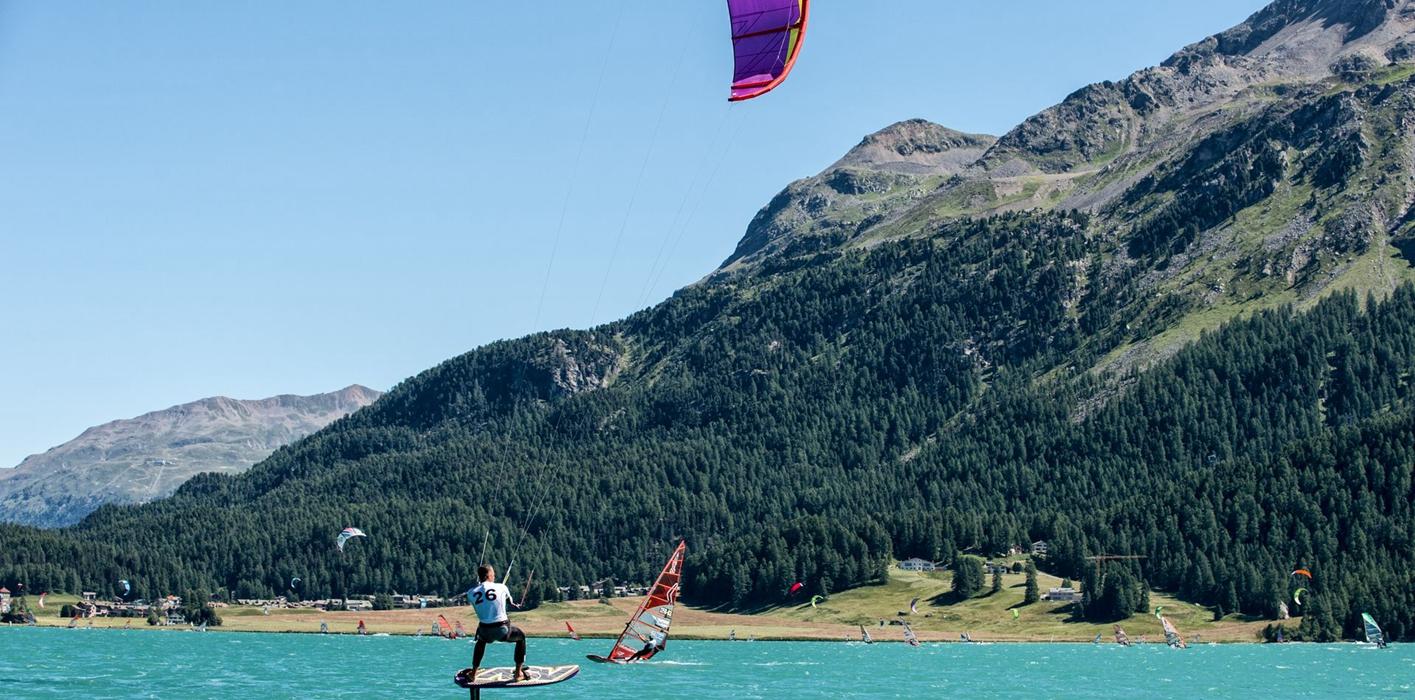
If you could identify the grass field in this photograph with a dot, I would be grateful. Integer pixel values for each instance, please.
(985, 618)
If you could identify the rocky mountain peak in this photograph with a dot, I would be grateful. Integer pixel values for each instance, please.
(1277, 25)
(916, 146)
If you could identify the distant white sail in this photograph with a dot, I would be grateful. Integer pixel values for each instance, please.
(909, 636)
(1171, 635)
(1374, 635)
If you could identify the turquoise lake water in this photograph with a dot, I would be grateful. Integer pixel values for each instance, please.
(53, 663)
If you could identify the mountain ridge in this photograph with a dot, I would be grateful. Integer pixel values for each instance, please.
(148, 456)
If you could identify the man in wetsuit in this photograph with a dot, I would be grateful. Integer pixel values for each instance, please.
(655, 644)
(489, 599)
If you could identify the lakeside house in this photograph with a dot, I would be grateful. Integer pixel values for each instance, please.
(1040, 548)
(917, 564)
(278, 602)
(358, 602)
(4, 600)
(408, 602)
(1062, 595)
(600, 592)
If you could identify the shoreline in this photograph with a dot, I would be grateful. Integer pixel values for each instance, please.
(686, 637)
(1000, 617)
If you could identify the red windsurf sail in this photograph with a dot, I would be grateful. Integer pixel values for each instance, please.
(573, 634)
(444, 628)
(649, 625)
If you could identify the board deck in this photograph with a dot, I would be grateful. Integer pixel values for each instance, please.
(501, 677)
(605, 660)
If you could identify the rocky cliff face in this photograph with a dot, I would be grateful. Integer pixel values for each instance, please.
(139, 459)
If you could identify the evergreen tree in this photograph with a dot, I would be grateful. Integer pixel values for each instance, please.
(967, 577)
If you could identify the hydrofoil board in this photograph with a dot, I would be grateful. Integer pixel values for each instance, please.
(501, 677)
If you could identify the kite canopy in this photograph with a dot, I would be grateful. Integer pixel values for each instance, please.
(795, 587)
(346, 534)
(1302, 572)
(766, 39)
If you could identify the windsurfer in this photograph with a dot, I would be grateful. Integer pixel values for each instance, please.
(489, 599)
(655, 644)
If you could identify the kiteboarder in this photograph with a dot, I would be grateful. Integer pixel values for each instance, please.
(489, 599)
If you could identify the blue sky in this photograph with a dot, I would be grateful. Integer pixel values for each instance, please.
(222, 198)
